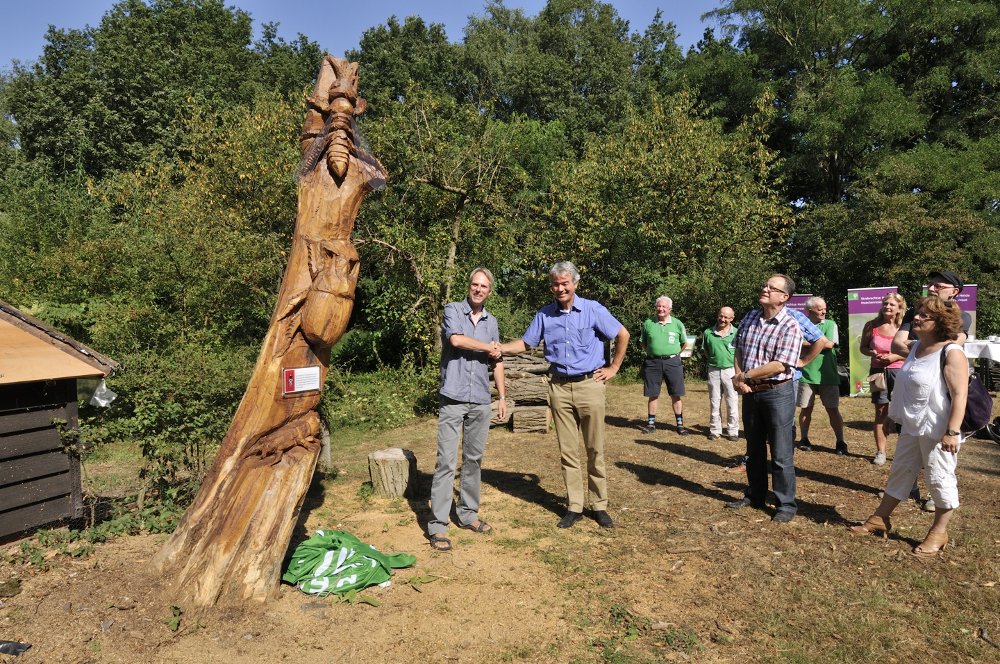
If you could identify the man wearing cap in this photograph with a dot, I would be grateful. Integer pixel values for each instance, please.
(768, 345)
(946, 285)
(574, 330)
(663, 339)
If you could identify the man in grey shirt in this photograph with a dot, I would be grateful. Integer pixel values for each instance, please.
(470, 342)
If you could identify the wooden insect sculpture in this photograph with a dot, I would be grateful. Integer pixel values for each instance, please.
(230, 543)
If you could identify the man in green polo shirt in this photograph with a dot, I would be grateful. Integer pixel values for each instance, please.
(717, 342)
(820, 377)
(662, 339)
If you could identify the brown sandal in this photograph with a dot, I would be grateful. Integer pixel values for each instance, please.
(873, 526)
(439, 542)
(479, 526)
(933, 544)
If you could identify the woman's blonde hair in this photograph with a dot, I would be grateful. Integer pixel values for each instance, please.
(898, 318)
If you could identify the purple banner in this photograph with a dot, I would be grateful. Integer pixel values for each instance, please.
(867, 300)
(967, 301)
(798, 301)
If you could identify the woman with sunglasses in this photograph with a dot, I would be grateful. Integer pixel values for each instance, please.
(929, 403)
(876, 343)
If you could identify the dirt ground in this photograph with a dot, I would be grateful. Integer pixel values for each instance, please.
(679, 578)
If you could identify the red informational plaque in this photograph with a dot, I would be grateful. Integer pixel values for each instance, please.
(299, 380)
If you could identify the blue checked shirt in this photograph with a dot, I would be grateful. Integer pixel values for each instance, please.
(810, 332)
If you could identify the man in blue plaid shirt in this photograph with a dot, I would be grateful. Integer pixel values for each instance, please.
(768, 344)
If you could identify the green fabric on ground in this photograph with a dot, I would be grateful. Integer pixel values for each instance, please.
(337, 562)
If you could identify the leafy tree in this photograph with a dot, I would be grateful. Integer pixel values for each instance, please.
(461, 190)
(574, 63)
(95, 102)
(895, 239)
(671, 205)
(839, 113)
(393, 57)
(170, 268)
(726, 79)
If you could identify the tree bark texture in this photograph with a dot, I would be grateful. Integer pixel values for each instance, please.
(231, 541)
(531, 419)
(531, 390)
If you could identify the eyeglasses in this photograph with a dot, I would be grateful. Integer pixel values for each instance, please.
(769, 287)
(939, 286)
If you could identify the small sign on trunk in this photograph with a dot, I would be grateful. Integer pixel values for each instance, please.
(300, 379)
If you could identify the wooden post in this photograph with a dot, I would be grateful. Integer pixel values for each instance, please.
(393, 472)
(231, 541)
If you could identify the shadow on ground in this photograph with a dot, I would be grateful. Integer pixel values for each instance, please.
(525, 486)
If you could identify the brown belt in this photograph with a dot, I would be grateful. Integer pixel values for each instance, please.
(768, 385)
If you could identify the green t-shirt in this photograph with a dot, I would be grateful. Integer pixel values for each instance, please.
(823, 370)
(663, 338)
(719, 350)
(336, 561)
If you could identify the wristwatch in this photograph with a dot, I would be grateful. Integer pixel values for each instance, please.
(952, 432)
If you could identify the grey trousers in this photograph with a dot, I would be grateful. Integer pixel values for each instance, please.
(471, 421)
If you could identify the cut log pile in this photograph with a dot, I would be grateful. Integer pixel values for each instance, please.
(527, 384)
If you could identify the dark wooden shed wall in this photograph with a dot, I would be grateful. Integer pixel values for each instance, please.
(39, 481)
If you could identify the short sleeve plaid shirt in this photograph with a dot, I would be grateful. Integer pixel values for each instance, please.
(761, 340)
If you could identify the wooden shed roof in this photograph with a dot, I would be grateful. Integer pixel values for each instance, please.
(30, 350)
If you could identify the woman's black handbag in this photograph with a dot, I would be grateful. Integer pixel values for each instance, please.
(978, 405)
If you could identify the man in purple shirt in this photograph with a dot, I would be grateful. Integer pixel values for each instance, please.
(574, 330)
(469, 343)
(768, 345)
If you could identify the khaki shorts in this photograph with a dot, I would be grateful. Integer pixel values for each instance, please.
(829, 395)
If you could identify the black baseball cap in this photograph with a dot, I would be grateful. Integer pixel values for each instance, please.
(945, 277)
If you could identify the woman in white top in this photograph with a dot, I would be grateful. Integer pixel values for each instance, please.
(929, 404)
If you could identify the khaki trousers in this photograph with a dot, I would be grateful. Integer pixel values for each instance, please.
(578, 409)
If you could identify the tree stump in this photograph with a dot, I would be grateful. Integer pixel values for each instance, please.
(393, 472)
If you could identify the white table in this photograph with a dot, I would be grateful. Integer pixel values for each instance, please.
(989, 350)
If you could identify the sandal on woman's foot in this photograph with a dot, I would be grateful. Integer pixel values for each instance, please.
(873, 526)
(479, 526)
(440, 543)
(933, 544)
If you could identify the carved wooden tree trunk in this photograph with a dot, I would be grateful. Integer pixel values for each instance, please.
(232, 540)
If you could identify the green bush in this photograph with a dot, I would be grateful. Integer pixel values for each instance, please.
(377, 400)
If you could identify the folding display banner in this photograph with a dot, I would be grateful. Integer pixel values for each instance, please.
(863, 304)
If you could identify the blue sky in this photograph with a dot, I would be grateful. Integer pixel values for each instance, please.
(23, 24)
